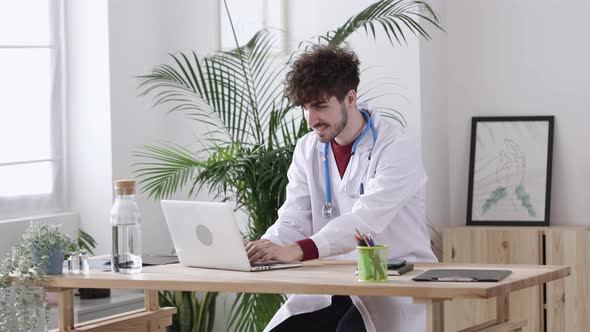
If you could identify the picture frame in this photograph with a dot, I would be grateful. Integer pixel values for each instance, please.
(510, 167)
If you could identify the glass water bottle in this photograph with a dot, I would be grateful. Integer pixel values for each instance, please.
(125, 230)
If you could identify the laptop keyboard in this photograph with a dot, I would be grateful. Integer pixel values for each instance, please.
(263, 264)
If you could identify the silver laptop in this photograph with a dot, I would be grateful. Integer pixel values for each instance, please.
(206, 234)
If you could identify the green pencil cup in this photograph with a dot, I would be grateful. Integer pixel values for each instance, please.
(372, 263)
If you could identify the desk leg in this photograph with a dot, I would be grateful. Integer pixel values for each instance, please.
(433, 314)
(151, 300)
(65, 303)
(429, 316)
(502, 309)
(152, 304)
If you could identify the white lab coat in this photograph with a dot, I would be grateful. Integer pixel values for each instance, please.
(392, 209)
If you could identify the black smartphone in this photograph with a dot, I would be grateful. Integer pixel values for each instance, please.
(395, 263)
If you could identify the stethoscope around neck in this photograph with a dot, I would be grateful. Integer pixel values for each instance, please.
(328, 210)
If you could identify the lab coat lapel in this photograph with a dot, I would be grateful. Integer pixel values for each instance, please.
(356, 165)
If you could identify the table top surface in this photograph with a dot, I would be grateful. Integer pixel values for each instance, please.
(316, 277)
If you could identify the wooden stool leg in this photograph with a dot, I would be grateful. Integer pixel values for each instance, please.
(65, 303)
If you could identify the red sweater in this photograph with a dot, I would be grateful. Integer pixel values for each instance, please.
(342, 154)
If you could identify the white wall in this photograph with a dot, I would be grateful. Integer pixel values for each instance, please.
(142, 34)
(522, 58)
(88, 117)
(135, 37)
(434, 119)
(109, 43)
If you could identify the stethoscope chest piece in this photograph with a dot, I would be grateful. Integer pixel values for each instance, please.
(328, 210)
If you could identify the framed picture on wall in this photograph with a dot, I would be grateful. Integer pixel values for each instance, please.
(510, 171)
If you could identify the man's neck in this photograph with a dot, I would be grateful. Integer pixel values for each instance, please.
(353, 129)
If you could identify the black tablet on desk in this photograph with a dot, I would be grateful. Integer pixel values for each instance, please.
(462, 275)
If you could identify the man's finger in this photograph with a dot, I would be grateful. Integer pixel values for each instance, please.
(267, 257)
(256, 247)
(252, 243)
(259, 254)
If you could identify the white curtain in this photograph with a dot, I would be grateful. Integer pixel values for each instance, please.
(36, 186)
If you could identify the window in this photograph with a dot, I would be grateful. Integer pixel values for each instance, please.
(250, 17)
(31, 158)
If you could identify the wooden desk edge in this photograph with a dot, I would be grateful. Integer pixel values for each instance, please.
(563, 272)
(249, 286)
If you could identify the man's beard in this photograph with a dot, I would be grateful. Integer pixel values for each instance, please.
(339, 126)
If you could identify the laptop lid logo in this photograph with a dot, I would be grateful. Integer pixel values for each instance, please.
(204, 235)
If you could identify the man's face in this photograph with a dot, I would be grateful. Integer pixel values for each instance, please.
(327, 117)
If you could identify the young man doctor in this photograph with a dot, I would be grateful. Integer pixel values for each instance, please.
(356, 169)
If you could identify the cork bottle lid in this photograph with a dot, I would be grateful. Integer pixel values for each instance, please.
(125, 187)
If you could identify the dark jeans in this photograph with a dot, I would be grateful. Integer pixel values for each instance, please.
(340, 316)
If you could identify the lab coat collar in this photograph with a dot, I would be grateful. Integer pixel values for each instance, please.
(367, 142)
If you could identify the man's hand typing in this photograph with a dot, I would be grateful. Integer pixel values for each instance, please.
(265, 250)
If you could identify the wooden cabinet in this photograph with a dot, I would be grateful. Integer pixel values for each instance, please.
(558, 306)
(568, 300)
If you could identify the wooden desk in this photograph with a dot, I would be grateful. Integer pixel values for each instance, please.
(315, 277)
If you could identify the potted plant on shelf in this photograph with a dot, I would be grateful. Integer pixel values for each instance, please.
(38, 253)
(254, 128)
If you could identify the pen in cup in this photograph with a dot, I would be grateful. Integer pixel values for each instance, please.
(367, 240)
(359, 238)
(363, 240)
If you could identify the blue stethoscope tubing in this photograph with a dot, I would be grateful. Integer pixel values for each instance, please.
(328, 208)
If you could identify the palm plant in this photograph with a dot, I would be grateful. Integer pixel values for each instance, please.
(194, 314)
(238, 94)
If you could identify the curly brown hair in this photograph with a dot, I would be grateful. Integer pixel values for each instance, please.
(321, 73)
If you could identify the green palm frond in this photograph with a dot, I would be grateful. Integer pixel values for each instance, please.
(193, 314)
(164, 170)
(220, 173)
(394, 17)
(86, 241)
(253, 311)
(236, 92)
(207, 89)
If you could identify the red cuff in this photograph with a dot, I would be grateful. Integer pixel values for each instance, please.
(310, 251)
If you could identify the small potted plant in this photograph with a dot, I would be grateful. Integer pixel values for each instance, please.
(38, 253)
